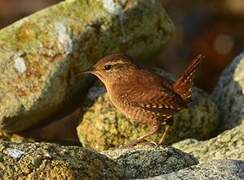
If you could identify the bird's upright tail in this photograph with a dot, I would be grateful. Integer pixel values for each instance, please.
(183, 86)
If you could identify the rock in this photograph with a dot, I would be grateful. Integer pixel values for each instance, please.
(228, 145)
(103, 127)
(229, 94)
(218, 169)
(229, 98)
(51, 161)
(41, 55)
(14, 137)
(146, 161)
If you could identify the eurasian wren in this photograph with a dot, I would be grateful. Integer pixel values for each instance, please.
(143, 95)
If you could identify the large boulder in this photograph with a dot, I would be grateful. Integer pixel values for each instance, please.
(219, 169)
(103, 127)
(148, 161)
(41, 55)
(227, 145)
(229, 94)
(51, 161)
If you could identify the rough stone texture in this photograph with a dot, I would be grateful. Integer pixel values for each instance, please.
(217, 170)
(50, 161)
(41, 55)
(14, 137)
(228, 145)
(103, 127)
(229, 94)
(147, 161)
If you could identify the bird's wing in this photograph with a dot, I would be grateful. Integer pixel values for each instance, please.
(158, 100)
(151, 93)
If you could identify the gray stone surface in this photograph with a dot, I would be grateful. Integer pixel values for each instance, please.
(147, 161)
(229, 94)
(51, 161)
(216, 170)
(227, 145)
(103, 127)
(41, 55)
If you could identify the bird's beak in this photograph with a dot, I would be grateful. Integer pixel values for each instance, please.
(88, 71)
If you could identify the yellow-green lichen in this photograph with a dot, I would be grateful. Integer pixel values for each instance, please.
(227, 145)
(51, 161)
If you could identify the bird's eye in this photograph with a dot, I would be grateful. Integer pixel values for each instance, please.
(107, 67)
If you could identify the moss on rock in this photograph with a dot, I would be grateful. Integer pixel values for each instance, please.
(51, 161)
(227, 145)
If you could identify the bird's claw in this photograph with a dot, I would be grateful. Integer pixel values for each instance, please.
(153, 143)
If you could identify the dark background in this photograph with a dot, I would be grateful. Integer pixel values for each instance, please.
(214, 28)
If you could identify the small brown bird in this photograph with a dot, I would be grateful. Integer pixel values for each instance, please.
(143, 95)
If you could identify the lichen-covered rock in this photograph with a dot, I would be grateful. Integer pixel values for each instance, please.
(14, 137)
(227, 145)
(41, 55)
(103, 127)
(229, 94)
(147, 161)
(51, 161)
(218, 169)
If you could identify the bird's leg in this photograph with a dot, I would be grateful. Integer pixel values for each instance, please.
(167, 129)
(154, 129)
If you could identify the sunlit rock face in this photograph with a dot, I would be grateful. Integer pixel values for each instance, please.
(41, 55)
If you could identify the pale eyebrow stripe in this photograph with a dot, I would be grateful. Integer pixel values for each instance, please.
(116, 62)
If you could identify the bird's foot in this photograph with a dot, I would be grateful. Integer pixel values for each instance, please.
(134, 143)
(155, 144)
(152, 143)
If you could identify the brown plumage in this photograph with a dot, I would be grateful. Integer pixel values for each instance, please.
(143, 95)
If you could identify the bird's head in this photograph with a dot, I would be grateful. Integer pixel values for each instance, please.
(113, 68)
